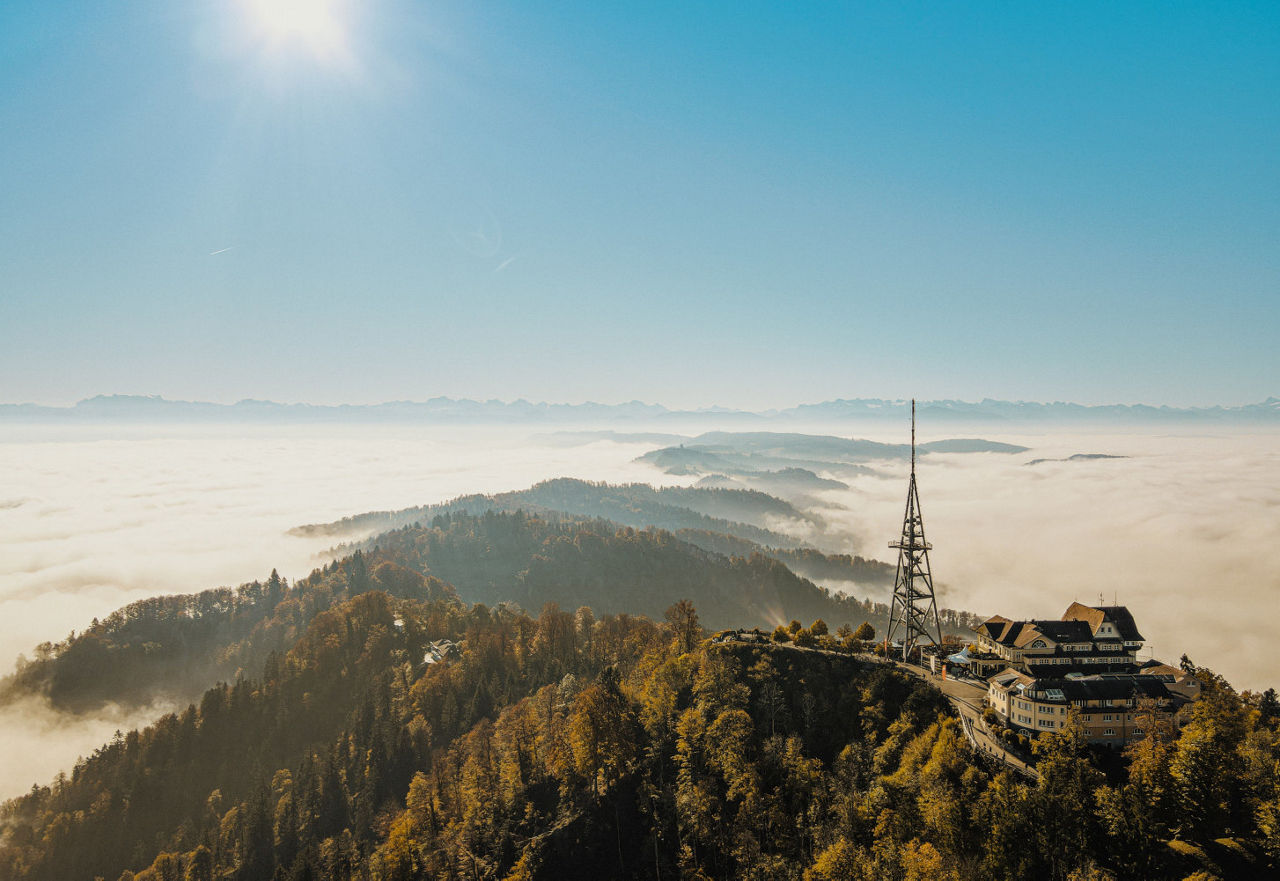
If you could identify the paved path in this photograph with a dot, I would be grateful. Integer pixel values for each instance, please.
(967, 697)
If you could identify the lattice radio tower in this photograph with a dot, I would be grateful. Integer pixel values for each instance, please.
(913, 614)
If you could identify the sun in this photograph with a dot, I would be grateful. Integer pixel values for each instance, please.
(317, 26)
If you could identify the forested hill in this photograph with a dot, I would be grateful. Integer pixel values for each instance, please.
(686, 511)
(582, 746)
(171, 648)
(174, 647)
(746, 514)
(558, 747)
(808, 562)
(574, 561)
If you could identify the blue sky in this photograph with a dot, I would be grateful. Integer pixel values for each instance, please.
(743, 204)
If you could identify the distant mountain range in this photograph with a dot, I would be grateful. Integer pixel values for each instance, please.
(441, 410)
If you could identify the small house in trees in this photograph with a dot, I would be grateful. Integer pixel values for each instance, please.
(441, 650)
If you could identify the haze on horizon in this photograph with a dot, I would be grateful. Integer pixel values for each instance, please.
(135, 406)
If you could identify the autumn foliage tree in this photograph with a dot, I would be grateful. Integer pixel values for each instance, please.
(682, 617)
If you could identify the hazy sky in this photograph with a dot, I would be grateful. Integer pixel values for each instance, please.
(745, 204)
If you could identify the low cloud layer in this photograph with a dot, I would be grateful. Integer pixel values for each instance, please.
(1186, 530)
(109, 518)
(41, 742)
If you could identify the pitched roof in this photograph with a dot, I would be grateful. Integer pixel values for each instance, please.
(1012, 631)
(993, 626)
(1094, 616)
(1165, 671)
(1080, 612)
(1124, 622)
(1055, 631)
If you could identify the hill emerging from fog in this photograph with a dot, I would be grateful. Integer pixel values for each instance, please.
(690, 513)
(169, 648)
(533, 560)
(787, 463)
(744, 514)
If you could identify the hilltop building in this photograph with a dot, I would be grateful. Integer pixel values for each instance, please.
(1087, 639)
(1087, 661)
(1115, 708)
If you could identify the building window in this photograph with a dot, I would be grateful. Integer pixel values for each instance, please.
(1110, 732)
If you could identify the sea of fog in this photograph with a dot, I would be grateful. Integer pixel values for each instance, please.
(1185, 529)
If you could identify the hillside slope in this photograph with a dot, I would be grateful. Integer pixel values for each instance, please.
(172, 648)
(577, 746)
(533, 560)
(534, 751)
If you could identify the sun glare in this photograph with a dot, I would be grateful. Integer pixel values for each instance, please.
(314, 25)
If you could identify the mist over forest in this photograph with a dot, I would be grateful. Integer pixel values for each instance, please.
(1173, 526)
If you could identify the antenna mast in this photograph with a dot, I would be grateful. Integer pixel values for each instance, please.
(913, 613)
(913, 439)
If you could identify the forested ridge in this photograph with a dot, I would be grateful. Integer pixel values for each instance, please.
(173, 647)
(561, 746)
(553, 557)
(808, 562)
(575, 746)
(727, 521)
(744, 513)
(343, 743)
(574, 561)
(170, 647)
